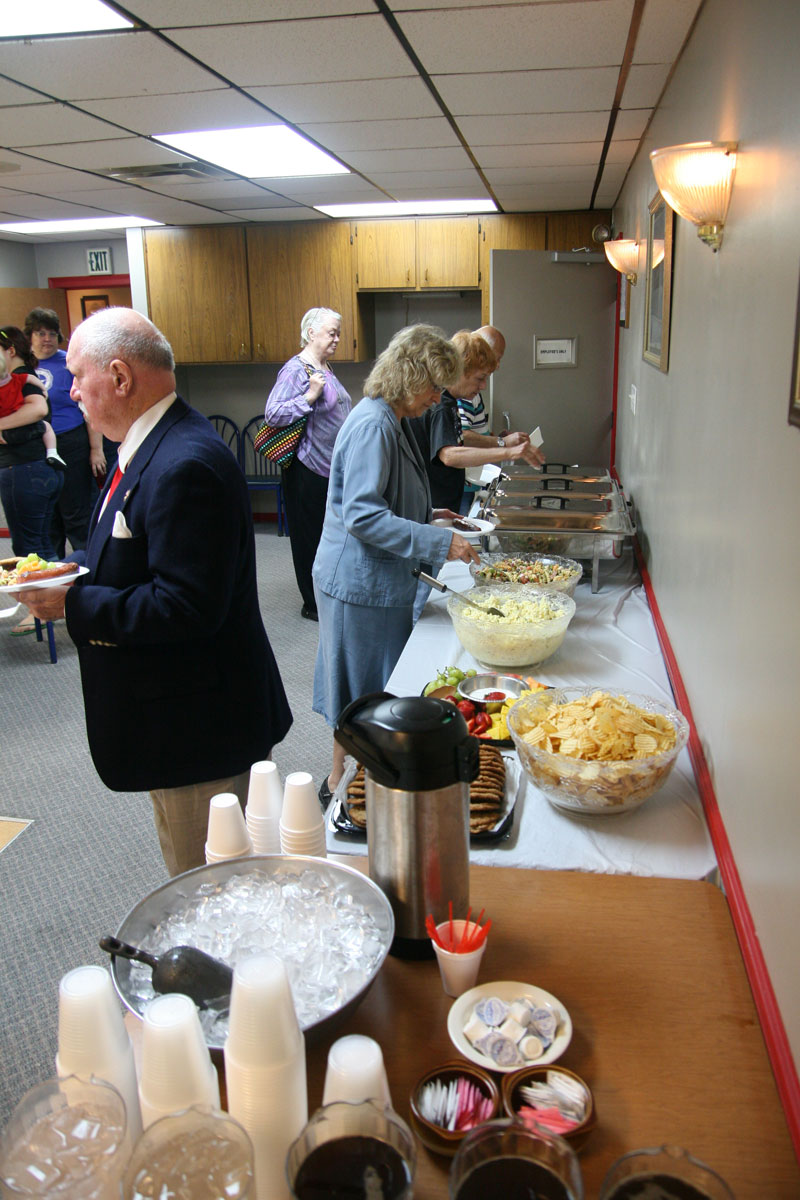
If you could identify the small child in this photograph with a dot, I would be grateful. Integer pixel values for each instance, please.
(12, 398)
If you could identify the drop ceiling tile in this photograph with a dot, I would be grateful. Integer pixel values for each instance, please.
(631, 123)
(591, 33)
(539, 198)
(315, 51)
(222, 108)
(349, 100)
(12, 93)
(219, 192)
(665, 24)
(400, 160)
(178, 212)
(464, 181)
(43, 124)
(540, 154)
(528, 91)
(545, 127)
(48, 182)
(173, 14)
(622, 151)
(477, 192)
(567, 176)
(339, 190)
(116, 64)
(644, 85)
(264, 200)
(31, 163)
(116, 152)
(279, 214)
(375, 135)
(39, 208)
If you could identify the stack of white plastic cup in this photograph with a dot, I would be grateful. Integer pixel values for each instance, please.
(93, 1040)
(263, 812)
(356, 1072)
(265, 1068)
(302, 823)
(227, 835)
(177, 1070)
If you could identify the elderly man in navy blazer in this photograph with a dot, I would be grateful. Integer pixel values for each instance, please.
(181, 688)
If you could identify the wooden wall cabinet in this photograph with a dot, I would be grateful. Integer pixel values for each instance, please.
(447, 252)
(295, 267)
(416, 254)
(385, 254)
(197, 289)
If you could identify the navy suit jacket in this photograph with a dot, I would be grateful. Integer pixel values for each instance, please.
(179, 680)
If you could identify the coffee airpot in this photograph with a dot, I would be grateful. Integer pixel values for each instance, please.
(419, 760)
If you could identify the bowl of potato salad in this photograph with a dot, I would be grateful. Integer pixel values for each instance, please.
(531, 628)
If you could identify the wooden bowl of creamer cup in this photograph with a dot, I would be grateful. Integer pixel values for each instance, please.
(572, 1096)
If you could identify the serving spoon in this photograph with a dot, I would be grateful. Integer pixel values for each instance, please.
(442, 587)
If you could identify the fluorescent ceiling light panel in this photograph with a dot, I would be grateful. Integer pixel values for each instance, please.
(256, 152)
(407, 208)
(56, 16)
(83, 225)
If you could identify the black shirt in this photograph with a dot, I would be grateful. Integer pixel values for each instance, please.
(23, 444)
(440, 426)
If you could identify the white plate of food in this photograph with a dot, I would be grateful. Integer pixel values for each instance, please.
(476, 1011)
(49, 581)
(472, 528)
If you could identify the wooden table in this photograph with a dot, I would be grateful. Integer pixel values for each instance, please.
(665, 1031)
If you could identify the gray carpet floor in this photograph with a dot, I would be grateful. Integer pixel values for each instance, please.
(90, 855)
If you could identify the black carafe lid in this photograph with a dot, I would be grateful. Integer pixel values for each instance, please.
(412, 743)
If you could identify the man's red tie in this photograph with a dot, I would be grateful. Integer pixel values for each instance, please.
(114, 481)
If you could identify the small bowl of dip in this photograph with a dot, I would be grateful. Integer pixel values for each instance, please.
(490, 691)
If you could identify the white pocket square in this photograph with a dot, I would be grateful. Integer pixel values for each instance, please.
(120, 529)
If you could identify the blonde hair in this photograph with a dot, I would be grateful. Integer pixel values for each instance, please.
(418, 357)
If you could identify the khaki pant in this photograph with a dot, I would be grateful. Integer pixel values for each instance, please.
(182, 819)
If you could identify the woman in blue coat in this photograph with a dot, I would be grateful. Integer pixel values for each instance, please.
(377, 527)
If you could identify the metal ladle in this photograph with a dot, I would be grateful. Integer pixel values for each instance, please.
(442, 587)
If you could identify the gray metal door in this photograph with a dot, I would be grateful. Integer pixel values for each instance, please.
(537, 299)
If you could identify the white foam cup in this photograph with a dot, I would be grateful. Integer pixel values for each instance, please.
(265, 1068)
(458, 971)
(265, 793)
(265, 835)
(300, 811)
(227, 831)
(93, 1040)
(356, 1072)
(311, 843)
(177, 1070)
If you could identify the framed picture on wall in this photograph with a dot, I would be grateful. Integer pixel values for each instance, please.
(794, 399)
(624, 301)
(658, 283)
(90, 304)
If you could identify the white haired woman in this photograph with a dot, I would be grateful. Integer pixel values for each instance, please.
(377, 527)
(306, 386)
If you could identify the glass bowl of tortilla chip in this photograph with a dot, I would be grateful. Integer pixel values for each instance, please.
(596, 752)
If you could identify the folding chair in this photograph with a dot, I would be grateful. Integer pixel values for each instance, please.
(260, 473)
(228, 430)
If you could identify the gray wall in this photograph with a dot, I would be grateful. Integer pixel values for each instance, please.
(710, 461)
(17, 265)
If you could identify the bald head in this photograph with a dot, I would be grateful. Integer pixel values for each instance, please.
(122, 366)
(124, 333)
(495, 339)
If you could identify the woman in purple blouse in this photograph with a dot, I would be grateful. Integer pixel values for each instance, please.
(307, 385)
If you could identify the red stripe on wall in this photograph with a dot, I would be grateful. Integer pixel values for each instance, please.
(769, 1014)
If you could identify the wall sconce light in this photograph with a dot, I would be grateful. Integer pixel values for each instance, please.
(623, 254)
(696, 181)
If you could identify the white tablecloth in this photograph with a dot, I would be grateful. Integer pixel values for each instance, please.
(612, 643)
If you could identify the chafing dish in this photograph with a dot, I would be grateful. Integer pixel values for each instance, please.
(585, 517)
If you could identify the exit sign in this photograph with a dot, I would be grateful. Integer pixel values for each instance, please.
(99, 261)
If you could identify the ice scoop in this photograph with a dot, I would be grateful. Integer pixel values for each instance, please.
(181, 969)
